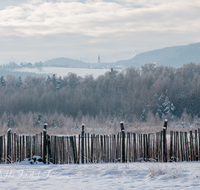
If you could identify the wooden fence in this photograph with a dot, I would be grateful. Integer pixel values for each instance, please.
(92, 148)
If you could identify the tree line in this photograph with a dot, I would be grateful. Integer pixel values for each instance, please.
(160, 91)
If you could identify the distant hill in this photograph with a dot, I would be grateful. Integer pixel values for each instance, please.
(175, 56)
(66, 62)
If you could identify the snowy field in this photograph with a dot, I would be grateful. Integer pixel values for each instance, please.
(183, 175)
(62, 71)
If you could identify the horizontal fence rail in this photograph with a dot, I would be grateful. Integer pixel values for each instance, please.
(95, 148)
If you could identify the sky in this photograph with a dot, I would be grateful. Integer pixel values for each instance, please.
(39, 30)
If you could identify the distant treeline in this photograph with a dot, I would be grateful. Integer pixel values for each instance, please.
(57, 62)
(158, 91)
(6, 71)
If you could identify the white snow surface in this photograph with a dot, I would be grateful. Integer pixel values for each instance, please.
(181, 175)
(62, 71)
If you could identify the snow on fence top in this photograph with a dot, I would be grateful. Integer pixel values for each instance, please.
(9, 130)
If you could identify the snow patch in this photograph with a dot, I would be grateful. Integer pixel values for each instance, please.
(9, 130)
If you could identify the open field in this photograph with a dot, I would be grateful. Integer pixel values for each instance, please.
(185, 175)
(62, 71)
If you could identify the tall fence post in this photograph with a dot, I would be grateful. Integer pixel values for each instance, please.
(171, 144)
(199, 141)
(123, 141)
(82, 144)
(49, 149)
(196, 147)
(1, 149)
(45, 143)
(165, 141)
(9, 158)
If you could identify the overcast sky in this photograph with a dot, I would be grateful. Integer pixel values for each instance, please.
(34, 30)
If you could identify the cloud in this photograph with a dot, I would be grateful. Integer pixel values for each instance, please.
(35, 30)
(97, 18)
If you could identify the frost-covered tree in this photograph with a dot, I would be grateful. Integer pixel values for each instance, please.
(3, 83)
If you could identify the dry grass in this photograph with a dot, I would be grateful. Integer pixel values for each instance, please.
(157, 169)
(59, 124)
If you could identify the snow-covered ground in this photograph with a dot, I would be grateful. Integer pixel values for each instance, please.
(62, 71)
(182, 175)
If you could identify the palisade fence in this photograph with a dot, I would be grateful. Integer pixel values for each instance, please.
(92, 148)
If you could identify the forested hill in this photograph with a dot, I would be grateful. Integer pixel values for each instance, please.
(175, 56)
(161, 91)
(66, 62)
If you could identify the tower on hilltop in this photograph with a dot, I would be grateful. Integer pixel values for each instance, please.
(99, 59)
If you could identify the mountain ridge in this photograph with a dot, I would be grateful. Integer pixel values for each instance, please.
(175, 56)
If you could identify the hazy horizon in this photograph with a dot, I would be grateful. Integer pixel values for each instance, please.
(39, 30)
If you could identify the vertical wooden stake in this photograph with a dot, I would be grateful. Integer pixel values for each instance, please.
(118, 148)
(141, 152)
(186, 147)
(79, 147)
(23, 147)
(40, 144)
(15, 147)
(86, 154)
(134, 147)
(33, 145)
(157, 136)
(45, 143)
(101, 148)
(181, 144)
(92, 159)
(27, 146)
(177, 141)
(1, 148)
(148, 146)
(165, 141)
(144, 148)
(89, 158)
(75, 148)
(68, 152)
(37, 144)
(18, 148)
(123, 141)
(129, 145)
(9, 156)
(191, 147)
(107, 148)
(82, 144)
(199, 141)
(196, 147)
(49, 150)
(146, 143)
(171, 144)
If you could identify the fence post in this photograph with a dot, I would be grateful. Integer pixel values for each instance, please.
(49, 149)
(1, 148)
(82, 144)
(196, 147)
(73, 150)
(165, 141)
(199, 141)
(171, 144)
(191, 147)
(86, 157)
(123, 141)
(45, 143)
(9, 158)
